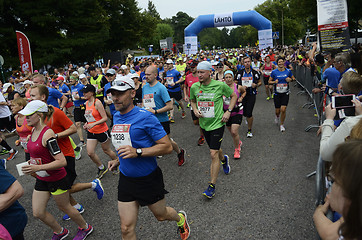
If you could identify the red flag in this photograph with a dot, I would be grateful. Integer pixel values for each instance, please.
(24, 52)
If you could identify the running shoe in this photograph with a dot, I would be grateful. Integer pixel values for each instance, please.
(83, 233)
(3, 163)
(12, 155)
(282, 128)
(179, 107)
(272, 96)
(4, 151)
(268, 98)
(61, 235)
(201, 141)
(240, 145)
(185, 229)
(210, 191)
(172, 120)
(101, 173)
(183, 114)
(276, 120)
(82, 144)
(249, 134)
(99, 188)
(78, 152)
(188, 105)
(237, 153)
(226, 165)
(181, 157)
(80, 210)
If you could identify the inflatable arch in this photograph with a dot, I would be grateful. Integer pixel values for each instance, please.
(252, 18)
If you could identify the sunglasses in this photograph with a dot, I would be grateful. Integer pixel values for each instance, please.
(122, 84)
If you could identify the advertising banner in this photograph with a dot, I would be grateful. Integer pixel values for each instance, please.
(190, 46)
(24, 52)
(265, 39)
(333, 25)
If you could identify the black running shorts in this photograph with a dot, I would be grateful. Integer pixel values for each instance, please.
(214, 137)
(175, 95)
(248, 103)
(235, 120)
(166, 127)
(79, 114)
(101, 137)
(281, 99)
(145, 190)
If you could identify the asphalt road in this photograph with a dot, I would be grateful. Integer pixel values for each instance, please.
(266, 195)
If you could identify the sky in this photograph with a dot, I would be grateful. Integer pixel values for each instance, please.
(194, 8)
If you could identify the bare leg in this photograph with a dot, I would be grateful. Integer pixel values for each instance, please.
(216, 156)
(250, 122)
(162, 213)
(91, 146)
(128, 213)
(80, 187)
(107, 150)
(174, 145)
(283, 113)
(39, 202)
(79, 131)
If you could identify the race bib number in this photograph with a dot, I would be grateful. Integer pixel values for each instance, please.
(207, 109)
(24, 142)
(148, 101)
(282, 87)
(246, 81)
(267, 72)
(120, 135)
(37, 161)
(89, 116)
(227, 100)
(74, 95)
(169, 80)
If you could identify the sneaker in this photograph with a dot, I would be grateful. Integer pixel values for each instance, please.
(78, 152)
(210, 191)
(183, 114)
(249, 135)
(101, 173)
(201, 141)
(61, 235)
(82, 144)
(188, 105)
(83, 233)
(4, 151)
(99, 188)
(185, 229)
(225, 164)
(181, 157)
(240, 145)
(80, 210)
(282, 128)
(179, 107)
(12, 155)
(3, 163)
(172, 120)
(272, 96)
(268, 98)
(237, 153)
(276, 120)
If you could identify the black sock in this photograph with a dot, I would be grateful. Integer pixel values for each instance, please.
(249, 130)
(5, 145)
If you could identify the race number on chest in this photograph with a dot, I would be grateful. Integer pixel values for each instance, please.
(149, 101)
(247, 81)
(121, 136)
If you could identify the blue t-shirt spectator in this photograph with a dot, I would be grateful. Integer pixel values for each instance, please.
(144, 131)
(332, 77)
(161, 97)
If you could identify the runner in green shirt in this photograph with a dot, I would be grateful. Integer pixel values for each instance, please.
(207, 103)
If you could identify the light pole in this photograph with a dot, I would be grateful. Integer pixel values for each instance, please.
(282, 27)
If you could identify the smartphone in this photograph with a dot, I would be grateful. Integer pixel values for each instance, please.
(343, 101)
(53, 147)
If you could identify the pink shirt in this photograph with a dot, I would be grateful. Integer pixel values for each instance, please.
(189, 80)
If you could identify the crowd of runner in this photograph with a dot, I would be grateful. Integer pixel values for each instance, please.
(131, 107)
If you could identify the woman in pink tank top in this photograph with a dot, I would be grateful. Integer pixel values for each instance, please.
(236, 115)
(47, 165)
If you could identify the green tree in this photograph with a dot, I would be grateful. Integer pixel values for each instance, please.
(179, 23)
(151, 10)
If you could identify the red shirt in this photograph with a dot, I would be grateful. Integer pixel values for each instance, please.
(189, 80)
(58, 123)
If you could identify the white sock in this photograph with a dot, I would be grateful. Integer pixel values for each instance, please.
(93, 185)
(11, 151)
(101, 167)
(77, 206)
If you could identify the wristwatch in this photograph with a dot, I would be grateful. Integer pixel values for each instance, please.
(56, 135)
(139, 152)
(230, 110)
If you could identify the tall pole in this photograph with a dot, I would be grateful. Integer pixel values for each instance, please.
(282, 27)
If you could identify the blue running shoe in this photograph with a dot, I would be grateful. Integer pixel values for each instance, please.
(80, 210)
(225, 164)
(3, 163)
(210, 191)
(99, 188)
(61, 236)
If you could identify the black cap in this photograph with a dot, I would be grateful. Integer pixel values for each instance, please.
(88, 88)
(194, 63)
(91, 68)
(143, 64)
(220, 64)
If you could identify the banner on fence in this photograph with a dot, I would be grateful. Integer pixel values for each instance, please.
(24, 52)
(333, 25)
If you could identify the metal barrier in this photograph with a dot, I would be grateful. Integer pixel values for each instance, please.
(307, 81)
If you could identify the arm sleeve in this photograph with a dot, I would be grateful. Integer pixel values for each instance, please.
(330, 138)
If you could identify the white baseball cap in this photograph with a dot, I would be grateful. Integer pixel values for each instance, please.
(124, 67)
(82, 76)
(169, 61)
(33, 107)
(28, 82)
(204, 65)
(6, 86)
(122, 83)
